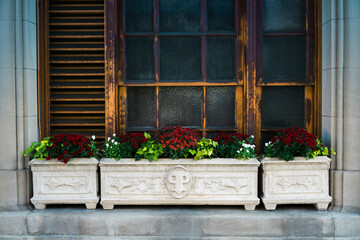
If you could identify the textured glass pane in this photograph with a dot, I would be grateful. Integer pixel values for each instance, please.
(141, 108)
(221, 59)
(180, 15)
(284, 16)
(283, 107)
(220, 107)
(181, 106)
(139, 15)
(284, 59)
(221, 15)
(139, 54)
(180, 59)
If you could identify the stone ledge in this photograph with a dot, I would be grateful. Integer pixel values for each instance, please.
(178, 223)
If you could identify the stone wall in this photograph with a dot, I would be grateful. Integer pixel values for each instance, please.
(18, 94)
(341, 98)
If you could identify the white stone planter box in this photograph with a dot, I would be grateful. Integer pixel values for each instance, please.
(179, 182)
(55, 182)
(299, 181)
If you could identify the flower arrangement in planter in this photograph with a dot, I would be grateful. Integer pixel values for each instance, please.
(69, 173)
(178, 170)
(295, 170)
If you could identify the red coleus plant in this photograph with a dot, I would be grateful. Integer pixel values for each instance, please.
(128, 144)
(176, 141)
(66, 146)
(293, 142)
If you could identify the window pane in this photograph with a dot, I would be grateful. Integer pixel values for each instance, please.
(139, 56)
(221, 62)
(220, 107)
(283, 107)
(181, 106)
(180, 59)
(180, 15)
(284, 16)
(221, 15)
(139, 16)
(141, 108)
(284, 59)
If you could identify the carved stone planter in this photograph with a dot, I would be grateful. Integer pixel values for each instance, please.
(57, 183)
(179, 182)
(299, 181)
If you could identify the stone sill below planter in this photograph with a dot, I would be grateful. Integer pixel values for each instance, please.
(299, 222)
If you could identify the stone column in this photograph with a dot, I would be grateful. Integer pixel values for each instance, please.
(18, 98)
(341, 98)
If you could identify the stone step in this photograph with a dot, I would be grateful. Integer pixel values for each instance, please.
(178, 223)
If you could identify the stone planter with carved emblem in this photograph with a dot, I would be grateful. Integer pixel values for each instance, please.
(299, 181)
(179, 182)
(55, 182)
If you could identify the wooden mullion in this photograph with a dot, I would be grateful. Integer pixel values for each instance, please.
(179, 84)
(110, 69)
(239, 108)
(317, 67)
(157, 60)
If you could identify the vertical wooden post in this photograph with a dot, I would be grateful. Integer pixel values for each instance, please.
(110, 68)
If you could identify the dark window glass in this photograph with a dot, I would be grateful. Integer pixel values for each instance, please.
(139, 56)
(220, 107)
(181, 106)
(141, 108)
(180, 15)
(139, 16)
(221, 59)
(284, 59)
(283, 107)
(180, 59)
(284, 16)
(221, 15)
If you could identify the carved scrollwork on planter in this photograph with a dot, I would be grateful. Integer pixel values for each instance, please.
(137, 185)
(223, 185)
(296, 183)
(178, 181)
(73, 182)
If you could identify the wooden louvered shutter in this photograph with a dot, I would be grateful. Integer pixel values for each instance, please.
(72, 67)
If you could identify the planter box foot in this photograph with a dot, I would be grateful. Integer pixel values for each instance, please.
(90, 205)
(321, 206)
(39, 206)
(107, 206)
(250, 207)
(270, 206)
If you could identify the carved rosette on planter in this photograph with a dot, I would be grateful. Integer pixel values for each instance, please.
(57, 183)
(299, 181)
(179, 182)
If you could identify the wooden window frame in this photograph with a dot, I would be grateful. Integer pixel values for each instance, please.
(248, 92)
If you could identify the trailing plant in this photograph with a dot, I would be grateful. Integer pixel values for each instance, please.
(38, 150)
(234, 145)
(291, 142)
(176, 141)
(66, 146)
(150, 150)
(204, 148)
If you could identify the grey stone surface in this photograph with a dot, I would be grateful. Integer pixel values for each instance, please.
(179, 223)
(29, 45)
(8, 144)
(326, 11)
(327, 45)
(328, 86)
(351, 189)
(352, 8)
(8, 190)
(7, 46)
(351, 42)
(23, 187)
(29, 13)
(7, 9)
(7, 92)
(30, 93)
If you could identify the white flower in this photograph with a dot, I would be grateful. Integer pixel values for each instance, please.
(240, 149)
(114, 134)
(112, 140)
(93, 137)
(266, 144)
(108, 138)
(107, 145)
(252, 136)
(247, 150)
(116, 143)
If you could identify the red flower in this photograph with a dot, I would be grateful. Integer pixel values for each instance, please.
(48, 158)
(66, 158)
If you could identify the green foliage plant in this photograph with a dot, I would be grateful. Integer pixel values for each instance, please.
(235, 145)
(203, 149)
(38, 150)
(291, 142)
(150, 150)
